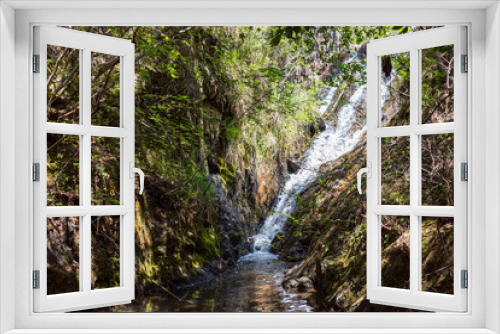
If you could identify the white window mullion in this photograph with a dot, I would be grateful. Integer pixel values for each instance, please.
(392, 131)
(422, 129)
(127, 73)
(86, 138)
(414, 172)
(96, 131)
(378, 261)
(378, 218)
(432, 129)
(95, 210)
(414, 248)
(81, 170)
(105, 131)
(373, 184)
(392, 210)
(86, 172)
(421, 210)
(85, 254)
(67, 129)
(124, 175)
(416, 161)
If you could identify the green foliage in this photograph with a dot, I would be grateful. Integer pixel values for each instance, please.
(332, 45)
(233, 101)
(205, 92)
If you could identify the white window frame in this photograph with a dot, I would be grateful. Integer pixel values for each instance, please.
(16, 239)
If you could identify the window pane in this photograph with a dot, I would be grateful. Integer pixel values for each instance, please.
(105, 89)
(395, 232)
(63, 255)
(105, 252)
(395, 89)
(437, 169)
(437, 84)
(63, 170)
(395, 173)
(63, 84)
(437, 255)
(105, 171)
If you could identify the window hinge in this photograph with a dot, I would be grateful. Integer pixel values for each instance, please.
(465, 279)
(36, 63)
(36, 279)
(465, 63)
(464, 171)
(36, 172)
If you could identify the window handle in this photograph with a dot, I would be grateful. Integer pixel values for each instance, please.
(368, 171)
(134, 170)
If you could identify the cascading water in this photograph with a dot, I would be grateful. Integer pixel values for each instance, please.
(327, 146)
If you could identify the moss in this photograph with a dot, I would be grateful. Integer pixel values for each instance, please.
(210, 244)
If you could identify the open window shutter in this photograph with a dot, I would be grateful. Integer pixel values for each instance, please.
(83, 229)
(432, 139)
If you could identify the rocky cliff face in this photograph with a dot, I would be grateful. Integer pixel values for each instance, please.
(216, 121)
(234, 223)
(196, 223)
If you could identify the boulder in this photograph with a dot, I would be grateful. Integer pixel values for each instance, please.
(318, 126)
(231, 230)
(321, 125)
(213, 165)
(290, 284)
(303, 282)
(293, 165)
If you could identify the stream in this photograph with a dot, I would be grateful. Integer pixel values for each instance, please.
(254, 284)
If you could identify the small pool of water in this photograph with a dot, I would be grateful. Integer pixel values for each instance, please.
(254, 285)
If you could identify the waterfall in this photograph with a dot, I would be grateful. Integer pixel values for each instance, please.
(327, 146)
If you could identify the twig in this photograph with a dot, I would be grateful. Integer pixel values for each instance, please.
(167, 291)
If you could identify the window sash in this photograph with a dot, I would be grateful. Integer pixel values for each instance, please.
(414, 298)
(87, 297)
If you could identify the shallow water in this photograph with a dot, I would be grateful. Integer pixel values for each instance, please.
(252, 286)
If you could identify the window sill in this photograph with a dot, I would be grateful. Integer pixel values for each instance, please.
(251, 331)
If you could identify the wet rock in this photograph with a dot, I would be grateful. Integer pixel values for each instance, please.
(231, 229)
(289, 284)
(293, 166)
(305, 282)
(247, 247)
(386, 66)
(213, 165)
(302, 282)
(318, 126)
(297, 250)
(362, 49)
(321, 125)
